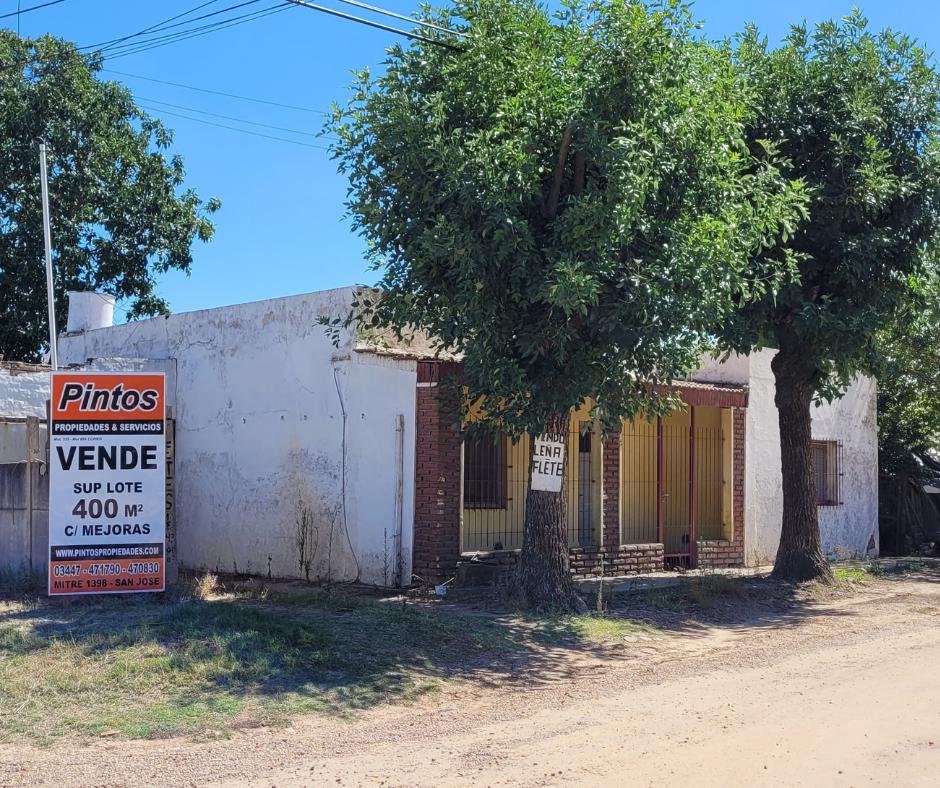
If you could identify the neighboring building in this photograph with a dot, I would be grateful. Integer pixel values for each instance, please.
(24, 389)
(297, 456)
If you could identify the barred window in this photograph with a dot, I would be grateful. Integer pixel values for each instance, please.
(827, 472)
(484, 472)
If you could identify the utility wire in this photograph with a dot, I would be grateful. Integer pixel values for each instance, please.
(110, 50)
(224, 117)
(162, 26)
(370, 23)
(234, 128)
(148, 29)
(404, 18)
(31, 8)
(215, 92)
(183, 35)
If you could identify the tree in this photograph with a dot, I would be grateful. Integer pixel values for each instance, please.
(567, 203)
(854, 114)
(909, 410)
(908, 370)
(119, 214)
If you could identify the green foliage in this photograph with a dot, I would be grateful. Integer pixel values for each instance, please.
(119, 212)
(909, 368)
(854, 115)
(566, 202)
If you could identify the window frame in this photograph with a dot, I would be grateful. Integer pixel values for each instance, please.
(833, 472)
(496, 479)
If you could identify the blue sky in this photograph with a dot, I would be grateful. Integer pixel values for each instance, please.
(281, 228)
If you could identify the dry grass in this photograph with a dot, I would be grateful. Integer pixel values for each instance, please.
(143, 668)
(207, 586)
(230, 655)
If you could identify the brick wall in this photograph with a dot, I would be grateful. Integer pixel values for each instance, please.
(610, 491)
(587, 561)
(628, 559)
(437, 476)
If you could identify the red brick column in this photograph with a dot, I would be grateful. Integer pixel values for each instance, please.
(610, 491)
(437, 476)
(740, 425)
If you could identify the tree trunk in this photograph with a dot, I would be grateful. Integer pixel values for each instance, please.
(545, 574)
(799, 556)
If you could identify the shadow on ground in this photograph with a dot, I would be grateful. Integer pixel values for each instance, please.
(147, 667)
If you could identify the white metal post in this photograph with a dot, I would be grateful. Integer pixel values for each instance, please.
(47, 237)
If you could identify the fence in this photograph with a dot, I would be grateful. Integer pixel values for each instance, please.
(495, 482)
(24, 495)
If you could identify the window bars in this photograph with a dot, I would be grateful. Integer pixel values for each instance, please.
(826, 458)
(495, 483)
(484, 472)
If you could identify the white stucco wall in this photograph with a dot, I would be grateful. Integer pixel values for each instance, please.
(24, 390)
(260, 436)
(845, 529)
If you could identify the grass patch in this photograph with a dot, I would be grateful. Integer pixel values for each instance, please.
(202, 666)
(854, 574)
(590, 628)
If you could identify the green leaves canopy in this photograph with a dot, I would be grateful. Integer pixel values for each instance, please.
(119, 212)
(565, 202)
(909, 369)
(854, 115)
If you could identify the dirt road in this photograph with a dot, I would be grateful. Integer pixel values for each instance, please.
(844, 694)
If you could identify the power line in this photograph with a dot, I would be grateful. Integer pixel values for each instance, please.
(180, 33)
(234, 128)
(31, 8)
(216, 92)
(159, 27)
(370, 23)
(144, 46)
(149, 29)
(404, 18)
(224, 117)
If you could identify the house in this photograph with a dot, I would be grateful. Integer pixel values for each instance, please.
(299, 457)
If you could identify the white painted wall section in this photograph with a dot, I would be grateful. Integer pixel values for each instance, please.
(262, 441)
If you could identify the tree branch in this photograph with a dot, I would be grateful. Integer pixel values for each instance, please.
(551, 204)
(579, 164)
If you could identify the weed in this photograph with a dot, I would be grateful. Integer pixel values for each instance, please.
(207, 586)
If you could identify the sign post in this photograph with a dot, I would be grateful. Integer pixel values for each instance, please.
(107, 494)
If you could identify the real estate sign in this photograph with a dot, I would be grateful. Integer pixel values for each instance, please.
(107, 455)
(548, 463)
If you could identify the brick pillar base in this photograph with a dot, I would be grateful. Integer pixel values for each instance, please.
(437, 476)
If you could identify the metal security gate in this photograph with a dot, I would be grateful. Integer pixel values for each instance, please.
(673, 482)
(585, 481)
(678, 519)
